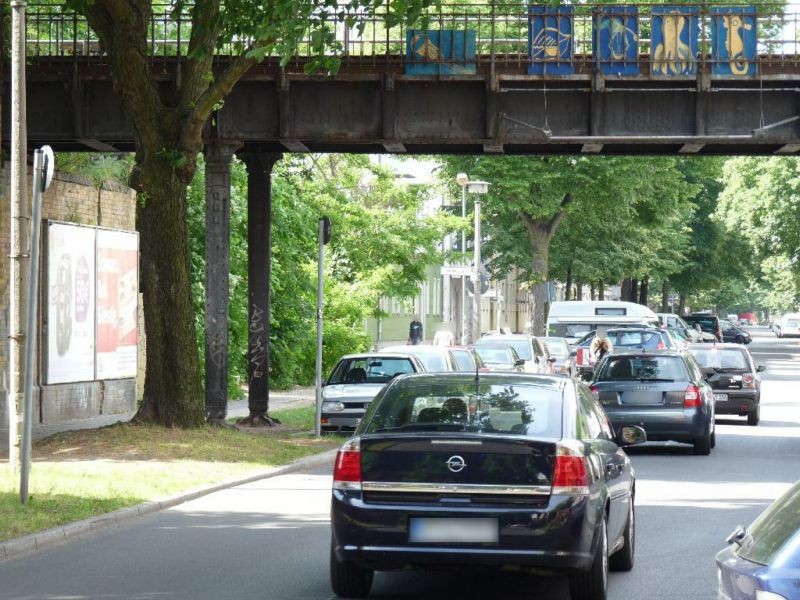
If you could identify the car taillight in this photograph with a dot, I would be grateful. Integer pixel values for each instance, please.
(748, 381)
(719, 334)
(347, 469)
(570, 475)
(691, 398)
(595, 392)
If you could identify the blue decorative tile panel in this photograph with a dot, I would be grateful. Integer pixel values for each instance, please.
(673, 45)
(550, 40)
(733, 41)
(615, 38)
(445, 52)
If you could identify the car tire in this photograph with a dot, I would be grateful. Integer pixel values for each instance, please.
(622, 559)
(739, 340)
(702, 445)
(754, 416)
(348, 580)
(593, 584)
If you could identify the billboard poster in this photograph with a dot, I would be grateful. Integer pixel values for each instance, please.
(70, 297)
(117, 303)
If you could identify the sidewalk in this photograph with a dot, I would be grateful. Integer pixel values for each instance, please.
(278, 400)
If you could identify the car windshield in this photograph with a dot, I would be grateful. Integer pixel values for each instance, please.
(557, 346)
(720, 358)
(774, 537)
(434, 362)
(706, 323)
(369, 370)
(469, 406)
(521, 345)
(491, 354)
(464, 360)
(643, 368)
(570, 330)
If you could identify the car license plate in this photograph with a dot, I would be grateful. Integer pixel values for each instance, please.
(466, 531)
(721, 397)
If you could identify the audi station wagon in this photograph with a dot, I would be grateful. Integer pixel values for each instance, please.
(484, 470)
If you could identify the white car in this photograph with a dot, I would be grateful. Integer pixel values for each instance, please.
(529, 349)
(787, 325)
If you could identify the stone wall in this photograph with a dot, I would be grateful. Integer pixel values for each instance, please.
(74, 199)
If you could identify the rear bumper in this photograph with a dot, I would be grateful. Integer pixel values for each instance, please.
(559, 536)
(680, 425)
(739, 402)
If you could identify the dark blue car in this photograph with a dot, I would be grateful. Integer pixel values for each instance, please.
(459, 471)
(763, 560)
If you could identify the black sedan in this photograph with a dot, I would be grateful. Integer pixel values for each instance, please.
(662, 391)
(497, 470)
(736, 381)
(735, 334)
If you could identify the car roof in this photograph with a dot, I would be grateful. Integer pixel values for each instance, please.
(640, 352)
(556, 382)
(416, 348)
(492, 336)
(712, 345)
(377, 355)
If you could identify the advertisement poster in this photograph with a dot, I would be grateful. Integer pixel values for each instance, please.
(70, 303)
(117, 303)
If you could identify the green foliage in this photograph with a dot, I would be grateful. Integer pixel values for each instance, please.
(99, 167)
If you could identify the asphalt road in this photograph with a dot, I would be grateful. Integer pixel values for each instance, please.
(269, 539)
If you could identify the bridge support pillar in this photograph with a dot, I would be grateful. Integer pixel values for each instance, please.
(259, 256)
(218, 154)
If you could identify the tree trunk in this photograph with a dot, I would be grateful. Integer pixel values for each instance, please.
(665, 296)
(601, 290)
(682, 303)
(579, 291)
(625, 293)
(172, 390)
(634, 293)
(643, 289)
(568, 285)
(592, 291)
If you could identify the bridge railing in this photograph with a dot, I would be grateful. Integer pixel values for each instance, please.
(676, 40)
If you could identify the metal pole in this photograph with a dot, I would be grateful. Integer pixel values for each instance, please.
(477, 275)
(20, 212)
(463, 277)
(30, 327)
(318, 378)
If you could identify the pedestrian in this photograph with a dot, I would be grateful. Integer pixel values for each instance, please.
(444, 336)
(600, 345)
(415, 332)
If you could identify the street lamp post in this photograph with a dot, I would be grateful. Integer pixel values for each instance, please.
(477, 187)
(462, 179)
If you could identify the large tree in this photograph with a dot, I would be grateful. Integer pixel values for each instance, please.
(168, 125)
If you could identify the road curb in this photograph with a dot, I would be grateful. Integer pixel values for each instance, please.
(48, 538)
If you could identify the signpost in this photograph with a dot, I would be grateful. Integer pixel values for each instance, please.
(324, 236)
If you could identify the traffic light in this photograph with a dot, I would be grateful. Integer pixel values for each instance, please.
(326, 230)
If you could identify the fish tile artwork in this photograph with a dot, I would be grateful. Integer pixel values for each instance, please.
(440, 52)
(733, 41)
(550, 40)
(616, 40)
(673, 46)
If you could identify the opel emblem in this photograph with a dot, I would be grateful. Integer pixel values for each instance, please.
(456, 464)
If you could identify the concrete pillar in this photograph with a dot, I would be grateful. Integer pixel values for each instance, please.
(259, 253)
(218, 154)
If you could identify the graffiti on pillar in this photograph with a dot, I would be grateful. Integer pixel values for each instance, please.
(733, 40)
(217, 347)
(616, 40)
(550, 40)
(673, 49)
(257, 350)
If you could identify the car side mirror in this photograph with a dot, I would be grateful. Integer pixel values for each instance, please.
(520, 362)
(631, 435)
(760, 369)
(552, 359)
(573, 353)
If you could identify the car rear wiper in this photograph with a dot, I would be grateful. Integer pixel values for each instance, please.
(656, 379)
(424, 427)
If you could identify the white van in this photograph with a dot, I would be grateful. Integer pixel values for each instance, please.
(573, 320)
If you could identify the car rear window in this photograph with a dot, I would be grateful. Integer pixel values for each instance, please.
(494, 355)
(792, 323)
(570, 330)
(708, 323)
(643, 368)
(370, 370)
(635, 338)
(464, 360)
(774, 536)
(486, 408)
(720, 358)
(557, 347)
(521, 345)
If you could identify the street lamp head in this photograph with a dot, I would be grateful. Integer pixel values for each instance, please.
(462, 179)
(477, 187)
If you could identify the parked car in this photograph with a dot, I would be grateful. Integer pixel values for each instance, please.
(353, 383)
(526, 346)
(435, 359)
(645, 338)
(731, 373)
(761, 561)
(509, 470)
(787, 325)
(708, 323)
(735, 334)
(662, 391)
(500, 357)
(559, 349)
(674, 323)
(744, 322)
(466, 358)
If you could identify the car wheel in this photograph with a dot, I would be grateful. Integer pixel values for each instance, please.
(754, 416)
(702, 445)
(348, 580)
(593, 584)
(622, 559)
(714, 438)
(739, 339)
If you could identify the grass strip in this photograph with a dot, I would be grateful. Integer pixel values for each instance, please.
(80, 474)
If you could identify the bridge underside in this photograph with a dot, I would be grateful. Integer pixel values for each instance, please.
(73, 107)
